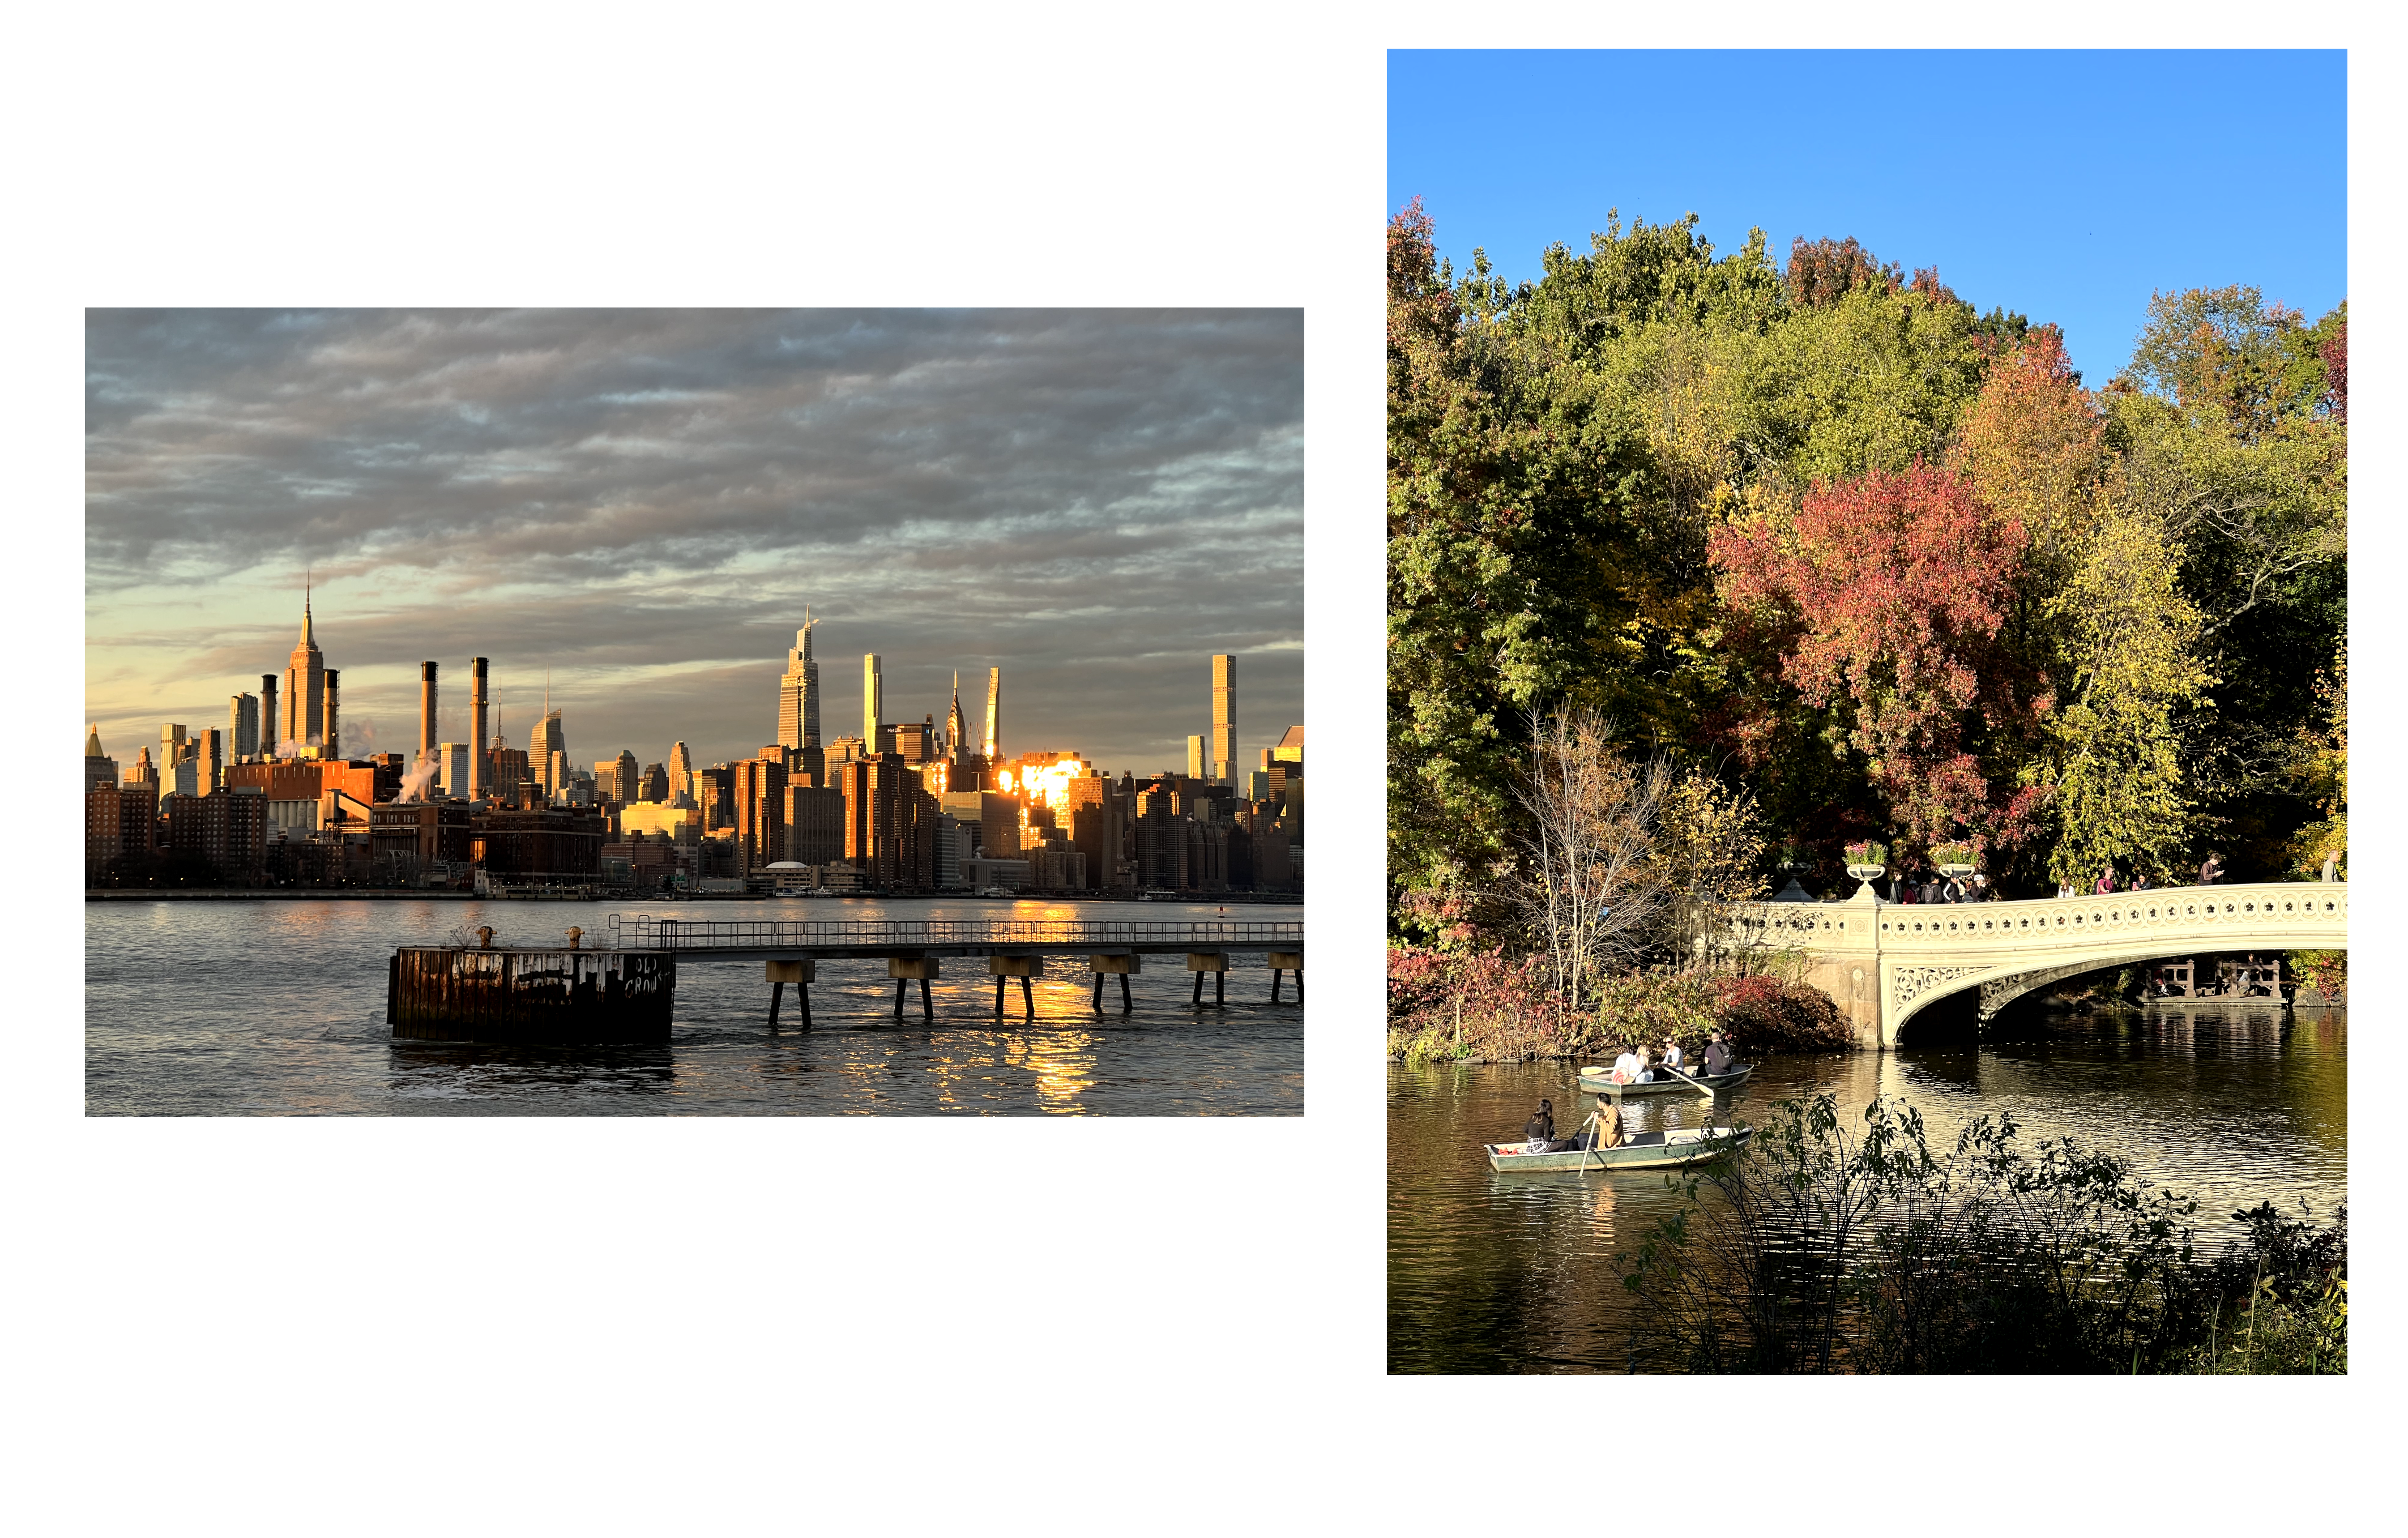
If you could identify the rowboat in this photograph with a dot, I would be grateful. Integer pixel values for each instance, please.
(1599, 1081)
(1637, 1151)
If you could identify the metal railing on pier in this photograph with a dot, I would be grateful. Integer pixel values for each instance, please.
(648, 931)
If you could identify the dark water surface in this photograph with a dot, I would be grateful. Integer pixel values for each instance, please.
(277, 1007)
(1514, 1273)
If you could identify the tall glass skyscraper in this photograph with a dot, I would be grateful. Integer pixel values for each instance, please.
(798, 693)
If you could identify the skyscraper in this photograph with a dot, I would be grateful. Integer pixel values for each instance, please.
(548, 740)
(305, 689)
(798, 694)
(873, 701)
(271, 722)
(1195, 759)
(1224, 716)
(954, 730)
(681, 762)
(243, 726)
(994, 714)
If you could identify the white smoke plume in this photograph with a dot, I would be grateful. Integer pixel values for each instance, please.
(291, 749)
(418, 782)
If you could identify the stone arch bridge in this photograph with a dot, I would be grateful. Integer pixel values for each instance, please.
(1884, 963)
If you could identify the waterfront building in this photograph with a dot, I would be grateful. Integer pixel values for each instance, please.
(208, 750)
(914, 740)
(680, 824)
(798, 692)
(172, 747)
(228, 831)
(243, 726)
(815, 819)
(1099, 826)
(890, 823)
(992, 818)
(269, 721)
(953, 847)
(653, 785)
(118, 821)
(1196, 758)
(407, 839)
(303, 726)
(981, 873)
(625, 778)
(98, 768)
(540, 844)
(760, 797)
(717, 794)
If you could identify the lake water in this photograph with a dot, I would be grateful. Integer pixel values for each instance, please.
(1490, 1273)
(277, 1007)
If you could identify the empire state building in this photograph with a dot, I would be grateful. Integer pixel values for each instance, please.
(305, 692)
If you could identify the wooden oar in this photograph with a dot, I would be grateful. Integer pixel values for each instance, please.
(1686, 1080)
(1581, 1167)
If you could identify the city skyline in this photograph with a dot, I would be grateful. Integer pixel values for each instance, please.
(645, 505)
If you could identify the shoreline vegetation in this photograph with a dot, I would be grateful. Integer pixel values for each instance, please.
(1822, 1247)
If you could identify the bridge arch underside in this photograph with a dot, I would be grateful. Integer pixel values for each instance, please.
(1999, 985)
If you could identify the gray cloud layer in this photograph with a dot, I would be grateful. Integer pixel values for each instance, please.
(644, 501)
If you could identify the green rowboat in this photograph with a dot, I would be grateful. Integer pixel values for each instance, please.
(1639, 1151)
(1599, 1081)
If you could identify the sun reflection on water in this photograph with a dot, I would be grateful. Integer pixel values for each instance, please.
(1060, 1065)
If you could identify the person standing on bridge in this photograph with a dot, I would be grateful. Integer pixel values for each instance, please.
(2141, 880)
(2106, 880)
(2213, 871)
(2332, 863)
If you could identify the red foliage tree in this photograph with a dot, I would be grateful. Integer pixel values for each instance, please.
(1884, 600)
(2336, 357)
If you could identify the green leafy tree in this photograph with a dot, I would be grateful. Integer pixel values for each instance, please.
(2120, 782)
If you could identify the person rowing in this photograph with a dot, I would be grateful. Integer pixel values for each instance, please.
(1673, 1054)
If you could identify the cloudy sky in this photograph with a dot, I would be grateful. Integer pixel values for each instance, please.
(644, 502)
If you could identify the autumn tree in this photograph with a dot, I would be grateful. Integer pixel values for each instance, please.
(1883, 602)
(2120, 777)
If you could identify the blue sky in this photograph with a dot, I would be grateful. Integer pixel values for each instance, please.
(2065, 185)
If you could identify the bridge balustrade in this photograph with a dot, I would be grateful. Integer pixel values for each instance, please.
(651, 931)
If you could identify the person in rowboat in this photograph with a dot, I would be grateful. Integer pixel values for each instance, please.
(1672, 1052)
(1609, 1125)
(1625, 1068)
(1718, 1055)
(1540, 1131)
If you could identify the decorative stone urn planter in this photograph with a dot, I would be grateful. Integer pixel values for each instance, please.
(1954, 859)
(1866, 862)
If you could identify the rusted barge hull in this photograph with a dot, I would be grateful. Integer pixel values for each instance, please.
(530, 998)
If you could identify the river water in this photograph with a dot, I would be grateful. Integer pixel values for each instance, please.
(277, 1007)
(1514, 1273)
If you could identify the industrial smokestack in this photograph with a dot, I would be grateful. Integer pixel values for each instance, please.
(268, 719)
(477, 787)
(426, 710)
(333, 748)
